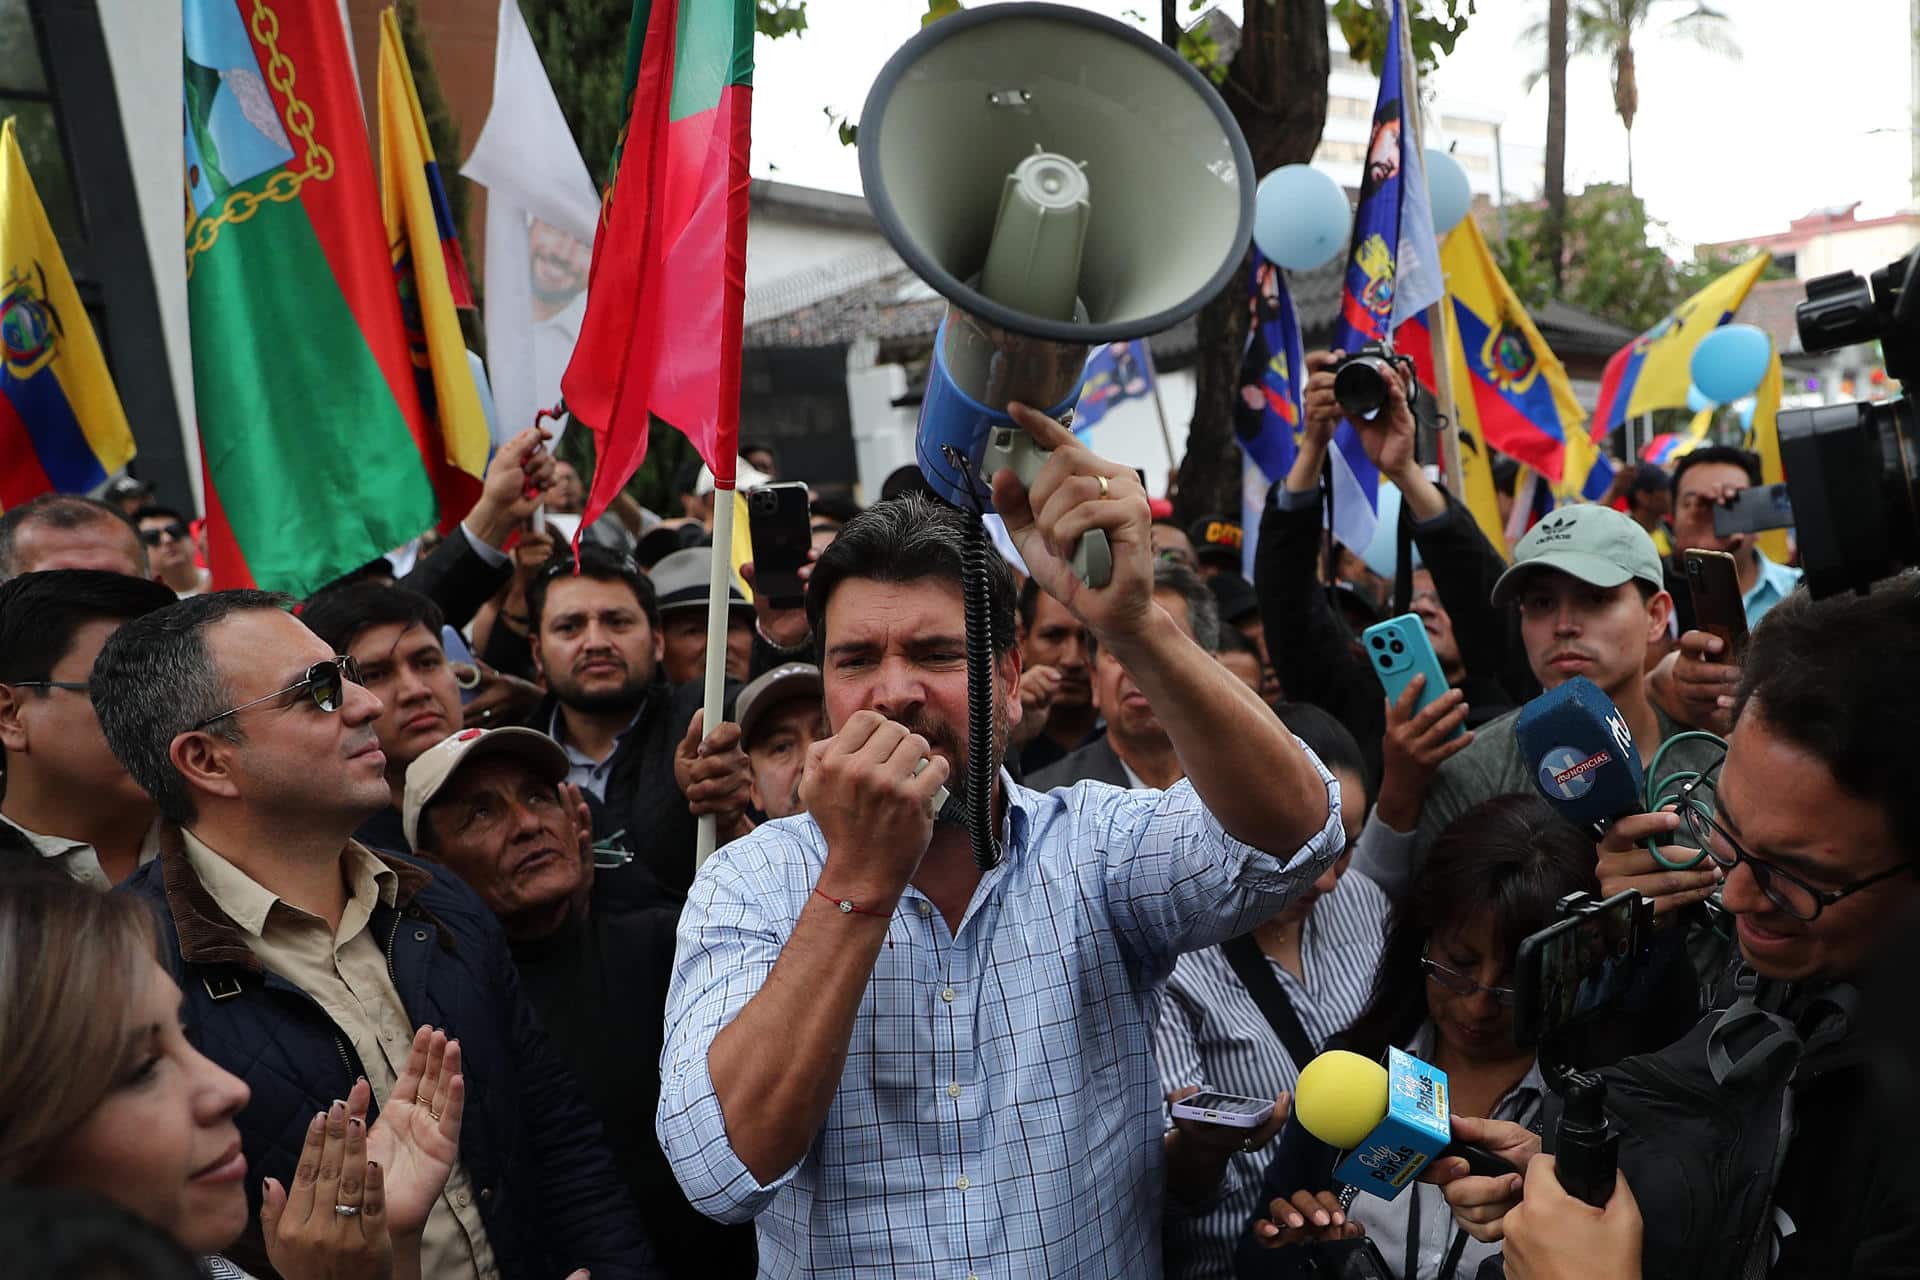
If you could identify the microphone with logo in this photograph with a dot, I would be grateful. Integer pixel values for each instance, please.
(1586, 763)
(1389, 1122)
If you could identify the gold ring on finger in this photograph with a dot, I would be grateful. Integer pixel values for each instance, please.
(1104, 486)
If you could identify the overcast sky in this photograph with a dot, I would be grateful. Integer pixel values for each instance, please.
(1721, 149)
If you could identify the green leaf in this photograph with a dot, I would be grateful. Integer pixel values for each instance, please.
(938, 9)
(776, 18)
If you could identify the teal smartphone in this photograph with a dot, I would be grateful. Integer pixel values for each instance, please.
(1398, 650)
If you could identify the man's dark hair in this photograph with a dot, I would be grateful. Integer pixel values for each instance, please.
(1810, 666)
(1029, 604)
(59, 511)
(904, 479)
(600, 564)
(907, 539)
(154, 511)
(1233, 640)
(339, 614)
(1647, 478)
(1725, 454)
(41, 612)
(156, 679)
(758, 446)
(1203, 609)
(837, 507)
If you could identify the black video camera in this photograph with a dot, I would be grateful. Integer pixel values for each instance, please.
(1854, 469)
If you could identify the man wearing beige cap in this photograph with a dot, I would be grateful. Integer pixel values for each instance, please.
(780, 716)
(1588, 587)
(495, 808)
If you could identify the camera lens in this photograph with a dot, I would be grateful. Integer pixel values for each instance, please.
(1398, 647)
(1379, 642)
(1385, 661)
(1360, 383)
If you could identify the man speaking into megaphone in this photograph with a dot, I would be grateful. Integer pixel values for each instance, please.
(888, 1057)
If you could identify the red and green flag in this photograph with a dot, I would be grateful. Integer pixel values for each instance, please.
(661, 336)
(311, 429)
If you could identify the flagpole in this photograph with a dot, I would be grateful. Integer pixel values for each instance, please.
(1437, 317)
(719, 578)
(1159, 408)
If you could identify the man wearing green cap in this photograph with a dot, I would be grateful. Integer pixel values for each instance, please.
(1591, 597)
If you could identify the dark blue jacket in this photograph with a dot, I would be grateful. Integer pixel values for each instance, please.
(549, 1194)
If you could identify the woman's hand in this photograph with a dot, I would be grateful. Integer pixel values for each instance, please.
(1304, 1217)
(332, 1224)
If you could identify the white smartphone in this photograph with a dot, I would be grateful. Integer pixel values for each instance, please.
(1224, 1108)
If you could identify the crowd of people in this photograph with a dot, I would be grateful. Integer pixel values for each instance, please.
(363, 936)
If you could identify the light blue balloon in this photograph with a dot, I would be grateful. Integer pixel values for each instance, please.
(1300, 217)
(1447, 190)
(1730, 361)
(1697, 400)
(1745, 409)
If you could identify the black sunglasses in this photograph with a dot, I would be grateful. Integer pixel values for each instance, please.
(325, 682)
(1783, 888)
(71, 686)
(154, 537)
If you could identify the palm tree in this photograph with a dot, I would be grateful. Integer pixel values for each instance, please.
(1608, 28)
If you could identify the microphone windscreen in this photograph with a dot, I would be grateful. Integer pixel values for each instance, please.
(1582, 752)
(1340, 1097)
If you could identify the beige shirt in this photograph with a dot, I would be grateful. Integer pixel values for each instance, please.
(80, 860)
(346, 973)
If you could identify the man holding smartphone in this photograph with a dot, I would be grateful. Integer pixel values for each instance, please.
(887, 1056)
(1697, 683)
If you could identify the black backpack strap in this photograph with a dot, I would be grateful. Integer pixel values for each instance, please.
(1256, 975)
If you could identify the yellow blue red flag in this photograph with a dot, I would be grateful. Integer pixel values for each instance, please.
(414, 209)
(1655, 369)
(1510, 390)
(61, 424)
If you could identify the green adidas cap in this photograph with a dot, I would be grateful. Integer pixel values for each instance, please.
(1598, 545)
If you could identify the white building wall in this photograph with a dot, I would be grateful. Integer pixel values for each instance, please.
(143, 44)
(781, 246)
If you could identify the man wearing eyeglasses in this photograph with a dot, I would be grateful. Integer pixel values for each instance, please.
(1814, 819)
(170, 550)
(305, 960)
(66, 798)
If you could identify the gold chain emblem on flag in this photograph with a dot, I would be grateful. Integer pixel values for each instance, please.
(284, 185)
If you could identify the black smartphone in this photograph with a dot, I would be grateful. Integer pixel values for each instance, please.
(1579, 966)
(1347, 1260)
(1754, 510)
(1713, 580)
(780, 526)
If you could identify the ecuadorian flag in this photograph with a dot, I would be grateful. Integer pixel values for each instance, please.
(61, 424)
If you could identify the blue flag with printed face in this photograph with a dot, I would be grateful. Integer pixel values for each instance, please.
(1115, 372)
(1392, 270)
(1267, 413)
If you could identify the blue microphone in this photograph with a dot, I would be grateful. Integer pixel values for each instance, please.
(1585, 761)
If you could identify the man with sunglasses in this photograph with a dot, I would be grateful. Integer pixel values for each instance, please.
(66, 799)
(305, 960)
(1814, 821)
(170, 550)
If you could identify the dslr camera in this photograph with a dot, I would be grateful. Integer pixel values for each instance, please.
(1854, 469)
(1360, 379)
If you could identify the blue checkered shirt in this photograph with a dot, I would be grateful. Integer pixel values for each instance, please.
(1001, 1113)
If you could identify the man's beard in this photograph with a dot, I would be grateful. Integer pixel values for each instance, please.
(628, 697)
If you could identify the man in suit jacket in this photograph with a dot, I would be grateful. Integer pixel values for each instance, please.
(1135, 750)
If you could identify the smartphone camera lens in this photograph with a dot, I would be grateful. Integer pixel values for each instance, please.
(1386, 662)
(1398, 647)
(1379, 642)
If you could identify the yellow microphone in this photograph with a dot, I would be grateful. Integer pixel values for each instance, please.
(1390, 1121)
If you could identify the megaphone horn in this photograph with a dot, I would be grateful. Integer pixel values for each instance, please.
(1061, 179)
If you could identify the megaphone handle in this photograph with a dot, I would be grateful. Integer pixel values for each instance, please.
(1014, 449)
(1092, 559)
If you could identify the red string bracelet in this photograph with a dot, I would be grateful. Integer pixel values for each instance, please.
(849, 907)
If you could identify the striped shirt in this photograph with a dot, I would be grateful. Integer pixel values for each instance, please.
(1212, 1034)
(1000, 1114)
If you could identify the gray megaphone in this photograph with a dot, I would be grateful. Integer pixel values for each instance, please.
(1061, 180)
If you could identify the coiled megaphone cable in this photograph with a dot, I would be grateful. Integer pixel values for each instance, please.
(977, 603)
